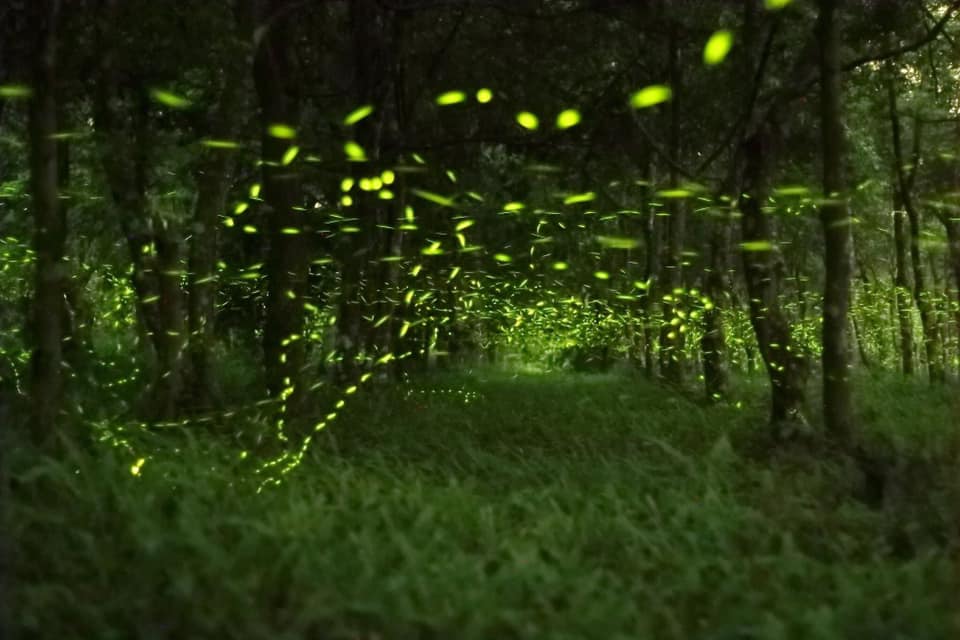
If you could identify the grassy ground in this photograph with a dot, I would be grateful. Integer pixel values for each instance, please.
(498, 506)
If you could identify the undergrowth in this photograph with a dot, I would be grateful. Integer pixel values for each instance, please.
(491, 505)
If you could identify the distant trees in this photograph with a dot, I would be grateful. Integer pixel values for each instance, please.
(236, 180)
(278, 84)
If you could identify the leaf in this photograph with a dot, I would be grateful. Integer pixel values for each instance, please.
(484, 96)
(650, 96)
(464, 224)
(502, 257)
(358, 114)
(169, 99)
(451, 97)
(568, 118)
(717, 47)
(527, 120)
(775, 5)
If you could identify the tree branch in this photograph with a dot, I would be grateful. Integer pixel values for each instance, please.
(930, 36)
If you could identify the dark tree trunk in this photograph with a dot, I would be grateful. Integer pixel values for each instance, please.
(713, 341)
(46, 380)
(671, 338)
(277, 78)
(785, 362)
(952, 224)
(902, 285)
(168, 386)
(653, 242)
(835, 217)
(361, 273)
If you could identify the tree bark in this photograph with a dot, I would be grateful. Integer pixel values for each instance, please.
(170, 341)
(835, 218)
(46, 380)
(362, 276)
(671, 338)
(276, 75)
(902, 287)
(713, 341)
(653, 242)
(786, 364)
(952, 224)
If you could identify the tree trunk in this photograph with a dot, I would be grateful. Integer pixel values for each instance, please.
(713, 341)
(653, 242)
(952, 224)
(168, 386)
(361, 273)
(902, 287)
(785, 362)
(835, 218)
(671, 338)
(46, 380)
(276, 76)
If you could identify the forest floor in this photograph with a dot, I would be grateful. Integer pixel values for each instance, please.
(498, 505)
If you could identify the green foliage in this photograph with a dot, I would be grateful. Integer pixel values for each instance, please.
(477, 506)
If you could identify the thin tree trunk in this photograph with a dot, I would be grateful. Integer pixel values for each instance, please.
(276, 76)
(713, 341)
(361, 274)
(653, 241)
(168, 386)
(835, 217)
(46, 380)
(671, 338)
(902, 288)
(952, 224)
(713, 345)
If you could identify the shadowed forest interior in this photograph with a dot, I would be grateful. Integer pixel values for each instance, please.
(362, 319)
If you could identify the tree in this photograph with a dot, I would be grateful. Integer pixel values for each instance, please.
(277, 80)
(47, 378)
(835, 218)
(904, 185)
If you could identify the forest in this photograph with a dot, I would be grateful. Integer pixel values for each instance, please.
(470, 319)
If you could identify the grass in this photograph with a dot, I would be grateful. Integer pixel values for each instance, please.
(488, 505)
